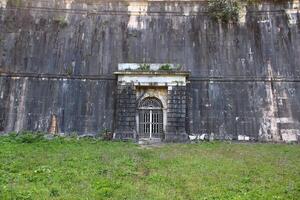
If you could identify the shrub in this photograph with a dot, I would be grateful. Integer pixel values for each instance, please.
(26, 137)
(144, 67)
(106, 134)
(225, 10)
(165, 67)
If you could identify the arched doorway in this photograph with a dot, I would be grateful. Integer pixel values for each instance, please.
(150, 118)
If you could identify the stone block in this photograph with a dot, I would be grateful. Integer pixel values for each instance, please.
(290, 135)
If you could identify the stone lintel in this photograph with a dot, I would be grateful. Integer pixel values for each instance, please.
(150, 66)
(153, 78)
(152, 72)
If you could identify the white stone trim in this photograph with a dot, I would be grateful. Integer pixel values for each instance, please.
(135, 66)
(152, 80)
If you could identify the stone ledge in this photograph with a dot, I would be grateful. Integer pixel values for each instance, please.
(157, 73)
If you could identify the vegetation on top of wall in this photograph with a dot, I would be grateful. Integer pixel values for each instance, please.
(228, 10)
(144, 67)
(225, 10)
(165, 67)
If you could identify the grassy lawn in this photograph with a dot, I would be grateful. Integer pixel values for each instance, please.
(90, 169)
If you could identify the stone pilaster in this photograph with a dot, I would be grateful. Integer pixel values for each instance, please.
(126, 112)
(176, 115)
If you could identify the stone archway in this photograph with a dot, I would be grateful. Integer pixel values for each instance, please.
(150, 118)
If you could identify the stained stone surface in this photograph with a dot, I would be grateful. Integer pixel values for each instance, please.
(176, 114)
(82, 106)
(58, 57)
(126, 112)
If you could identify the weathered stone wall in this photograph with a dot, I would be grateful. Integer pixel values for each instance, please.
(176, 114)
(244, 76)
(126, 112)
(81, 105)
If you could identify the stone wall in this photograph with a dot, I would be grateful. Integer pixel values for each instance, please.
(126, 112)
(176, 114)
(244, 76)
(81, 105)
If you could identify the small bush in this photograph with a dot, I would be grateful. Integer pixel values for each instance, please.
(106, 134)
(165, 67)
(25, 137)
(225, 10)
(144, 67)
(12, 135)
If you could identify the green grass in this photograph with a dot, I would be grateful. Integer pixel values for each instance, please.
(90, 169)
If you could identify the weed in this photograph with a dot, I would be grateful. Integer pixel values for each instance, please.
(144, 67)
(15, 3)
(24, 195)
(105, 187)
(69, 71)
(54, 192)
(73, 135)
(26, 136)
(177, 67)
(165, 67)
(228, 10)
(225, 10)
(106, 134)
(61, 21)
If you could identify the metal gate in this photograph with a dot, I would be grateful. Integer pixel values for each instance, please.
(150, 118)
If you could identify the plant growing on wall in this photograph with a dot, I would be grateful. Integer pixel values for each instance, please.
(144, 67)
(15, 3)
(61, 21)
(69, 71)
(225, 10)
(165, 67)
(228, 10)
